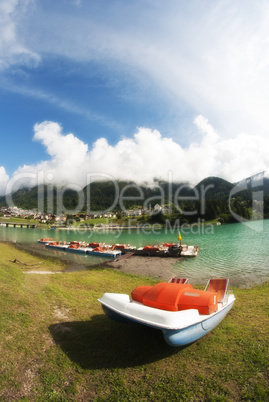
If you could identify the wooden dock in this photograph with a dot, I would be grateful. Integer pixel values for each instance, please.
(123, 256)
(18, 225)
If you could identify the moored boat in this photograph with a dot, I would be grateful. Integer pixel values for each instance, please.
(182, 313)
(162, 250)
(189, 251)
(101, 250)
(159, 251)
(104, 252)
(45, 240)
(167, 250)
(57, 244)
(123, 247)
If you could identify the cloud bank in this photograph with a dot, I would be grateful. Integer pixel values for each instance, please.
(145, 156)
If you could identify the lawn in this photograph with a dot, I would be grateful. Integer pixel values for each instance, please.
(57, 344)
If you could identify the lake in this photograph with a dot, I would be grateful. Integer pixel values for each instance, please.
(239, 251)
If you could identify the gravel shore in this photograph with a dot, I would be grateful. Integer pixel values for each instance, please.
(146, 266)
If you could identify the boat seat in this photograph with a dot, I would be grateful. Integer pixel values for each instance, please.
(220, 286)
(176, 297)
(178, 280)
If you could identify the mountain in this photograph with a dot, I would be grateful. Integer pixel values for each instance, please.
(126, 194)
(106, 194)
(23, 198)
(209, 199)
(214, 188)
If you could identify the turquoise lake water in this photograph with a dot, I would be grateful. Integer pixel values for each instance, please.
(239, 251)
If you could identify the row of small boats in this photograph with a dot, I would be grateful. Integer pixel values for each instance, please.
(168, 250)
(96, 249)
(115, 250)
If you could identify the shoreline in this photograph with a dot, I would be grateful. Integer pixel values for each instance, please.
(156, 267)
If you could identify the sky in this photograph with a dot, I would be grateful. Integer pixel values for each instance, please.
(134, 90)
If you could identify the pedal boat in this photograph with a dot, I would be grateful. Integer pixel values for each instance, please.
(182, 313)
(83, 248)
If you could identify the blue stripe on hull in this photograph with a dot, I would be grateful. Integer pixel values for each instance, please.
(100, 254)
(177, 337)
(194, 332)
(56, 247)
(75, 250)
(117, 317)
(82, 251)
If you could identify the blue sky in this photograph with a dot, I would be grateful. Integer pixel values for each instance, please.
(133, 89)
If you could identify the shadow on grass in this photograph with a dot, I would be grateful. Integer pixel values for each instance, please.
(101, 343)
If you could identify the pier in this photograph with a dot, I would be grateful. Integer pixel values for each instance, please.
(18, 225)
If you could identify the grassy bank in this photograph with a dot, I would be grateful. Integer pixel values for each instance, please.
(56, 343)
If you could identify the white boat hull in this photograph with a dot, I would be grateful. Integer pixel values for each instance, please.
(179, 327)
(189, 251)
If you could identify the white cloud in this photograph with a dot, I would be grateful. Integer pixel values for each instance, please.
(12, 49)
(243, 156)
(64, 149)
(4, 178)
(145, 156)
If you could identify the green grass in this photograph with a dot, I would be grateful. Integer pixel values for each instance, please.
(57, 345)
(23, 221)
(108, 221)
